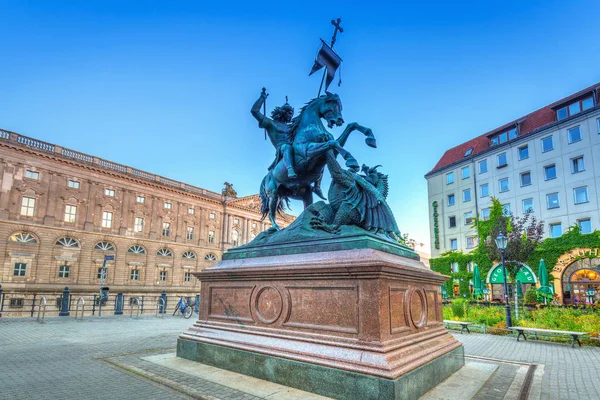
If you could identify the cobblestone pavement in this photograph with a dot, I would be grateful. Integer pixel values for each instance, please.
(568, 373)
(60, 358)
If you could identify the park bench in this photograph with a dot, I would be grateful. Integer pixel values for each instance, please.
(463, 325)
(551, 332)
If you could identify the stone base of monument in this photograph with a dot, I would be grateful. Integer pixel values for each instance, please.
(351, 324)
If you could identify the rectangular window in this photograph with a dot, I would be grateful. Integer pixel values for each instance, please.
(598, 125)
(562, 113)
(580, 195)
(585, 225)
(574, 108)
(236, 221)
(168, 205)
(547, 144)
(485, 214)
(73, 184)
(527, 205)
(449, 178)
(525, 178)
(453, 244)
(138, 225)
(188, 276)
(212, 215)
(468, 218)
(162, 276)
(502, 161)
(134, 275)
(483, 166)
(191, 211)
(503, 185)
(17, 302)
(587, 103)
(20, 269)
(452, 222)
(27, 206)
(467, 195)
(454, 267)
(484, 190)
(109, 192)
(32, 175)
(190, 233)
(552, 201)
(166, 231)
(107, 219)
(471, 243)
(102, 274)
(549, 172)
(465, 172)
(523, 152)
(506, 210)
(555, 230)
(574, 134)
(140, 199)
(451, 200)
(211, 236)
(470, 266)
(70, 213)
(577, 165)
(63, 271)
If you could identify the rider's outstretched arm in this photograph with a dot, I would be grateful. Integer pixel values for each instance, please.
(263, 120)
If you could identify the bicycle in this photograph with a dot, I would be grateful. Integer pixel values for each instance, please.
(184, 307)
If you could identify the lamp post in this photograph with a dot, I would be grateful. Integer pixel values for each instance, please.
(501, 242)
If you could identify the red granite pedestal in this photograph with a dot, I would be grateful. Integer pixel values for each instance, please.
(364, 316)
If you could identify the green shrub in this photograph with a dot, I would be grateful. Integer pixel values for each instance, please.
(530, 296)
(460, 308)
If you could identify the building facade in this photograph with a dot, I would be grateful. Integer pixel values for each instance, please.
(547, 162)
(62, 212)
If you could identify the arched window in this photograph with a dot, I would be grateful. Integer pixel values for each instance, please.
(23, 237)
(235, 238)
(164, 253)
(210, 257)
(104, 246)
(67, 242)
(136, 249)
(189, 254)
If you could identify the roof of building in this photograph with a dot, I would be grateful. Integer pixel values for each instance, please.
(529, 124)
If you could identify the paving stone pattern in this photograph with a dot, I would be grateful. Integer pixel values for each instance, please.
(568, 373)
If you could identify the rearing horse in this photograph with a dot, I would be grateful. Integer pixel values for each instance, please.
(311, 141)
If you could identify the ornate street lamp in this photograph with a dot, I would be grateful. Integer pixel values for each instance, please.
(501, 242)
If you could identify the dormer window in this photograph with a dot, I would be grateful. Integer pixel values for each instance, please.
(469, 152)
(575, 108)
(504, 137)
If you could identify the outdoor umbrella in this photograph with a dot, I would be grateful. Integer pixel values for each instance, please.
(544, 290)
(477, 283)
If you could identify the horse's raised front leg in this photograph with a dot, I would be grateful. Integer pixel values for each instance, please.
(353, 126)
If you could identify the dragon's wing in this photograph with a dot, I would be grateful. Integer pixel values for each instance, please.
(375, 212)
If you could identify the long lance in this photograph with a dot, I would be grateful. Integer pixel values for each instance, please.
(264, 90)
(337, 27)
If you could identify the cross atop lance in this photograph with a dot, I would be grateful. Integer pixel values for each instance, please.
(327, 58)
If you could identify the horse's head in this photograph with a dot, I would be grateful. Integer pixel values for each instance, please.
(331, 109)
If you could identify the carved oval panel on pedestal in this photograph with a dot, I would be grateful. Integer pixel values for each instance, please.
(269, 305)
(417, 308)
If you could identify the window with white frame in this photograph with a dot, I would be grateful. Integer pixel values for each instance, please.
(547, 144)
(64, 271)
(454, 267)
(188, 276)
(483, 167)
(449, 178)
(555, 230)
(484, 190)
(580, 195)
(140, 199)
(67, 242)
(468, 218)
(190, 255)
(104, 246)
(20, 269)
(525, 178)
(190, 233)
(485, 213)
(138, 225)
(577, 164)
(452, 222)
(102, 273)
(575, 108)
(136, 249)
(191, 210)
(574, 134)
(502, 161)
(465, 172)
(527, 205)
(503, 185)
(162, 276)
(552, 200)
(32, 175)
(235, 238)
(107, 218)
(471, 243)
(166, 229)
(164, 252)
(73, 184)
(506, 209)
(550, 172)
(210, 257)
(168, 205)
(466, 195)
(585, 225)
(523, 152)
(134, 275)
(211, 236)
(109, 192)
(212, 215)
(28, 206)
(236, 221)
(453, 244)
(451, 199)
(70, 213)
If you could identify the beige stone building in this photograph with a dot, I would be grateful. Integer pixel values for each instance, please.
(62, 212)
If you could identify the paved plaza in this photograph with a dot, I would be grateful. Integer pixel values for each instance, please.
(110, 358)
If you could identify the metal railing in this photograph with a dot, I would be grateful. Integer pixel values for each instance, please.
(82, 302)
(137, 303)
(160, 308)
(41, 306)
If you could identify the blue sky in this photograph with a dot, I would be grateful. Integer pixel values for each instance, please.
(167, 86)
